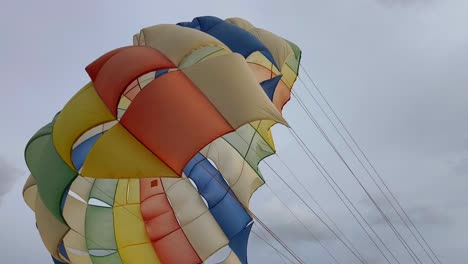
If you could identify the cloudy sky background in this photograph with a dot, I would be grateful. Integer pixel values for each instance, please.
(394, 70)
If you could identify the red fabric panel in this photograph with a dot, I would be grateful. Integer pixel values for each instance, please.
(174, 120)
(94, 68)
(146, 191)
(168, 240)
(114, 71)
(175, 248)
(161, 226)
(155, 206)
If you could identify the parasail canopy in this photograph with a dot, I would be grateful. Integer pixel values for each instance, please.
(156, 158)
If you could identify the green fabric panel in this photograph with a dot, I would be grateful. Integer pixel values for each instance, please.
(100, 228)
(110, 259)
(259, 149)
(52, 174)
(293, 63)
(297, 51)
(104, 190)
(241, 138)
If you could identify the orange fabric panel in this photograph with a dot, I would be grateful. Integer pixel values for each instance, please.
(174, 120)
(261, 73)
(168, 239)
(281, 96)
(112, 73)
(175, 248)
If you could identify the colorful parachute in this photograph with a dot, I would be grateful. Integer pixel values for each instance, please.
(155, 160)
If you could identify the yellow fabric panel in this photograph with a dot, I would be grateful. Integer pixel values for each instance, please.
(242, 179)
(205, 235)
(241, 99)
(30, 192)
(133, 191)
(143, 253)
(263, 128)
(120, 197)
(289, 77)
(175, 42)
(231, 259)
(130, 232)
(124, 102)
(258, 58)
(94, 131)
(129, 226)
(74, 213)
(117, 154)
(85, 110)
(50, 228)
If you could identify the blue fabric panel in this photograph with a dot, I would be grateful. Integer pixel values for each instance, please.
(160, 72)
(239, 242)
(63, 251)
(269, 86)
(236, 38)
(222, 202)
(230, 215)
(80, 153)
(191, 164)
(64, 198)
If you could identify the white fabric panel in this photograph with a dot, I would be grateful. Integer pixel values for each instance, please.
(201, 229)
(243, 180)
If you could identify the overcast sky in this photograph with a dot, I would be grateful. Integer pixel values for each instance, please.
(394, 70)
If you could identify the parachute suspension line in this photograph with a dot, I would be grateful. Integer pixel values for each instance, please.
(381, 212)
(329, 180)
(340, 232)
(384, 216)
(278, 252)
(228, 190)
(408, 219)
(367, 171)
(298, 219)
(312, 210)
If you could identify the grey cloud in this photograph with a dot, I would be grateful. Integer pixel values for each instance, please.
(285, 223)
(8, 176)
(422, 214)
